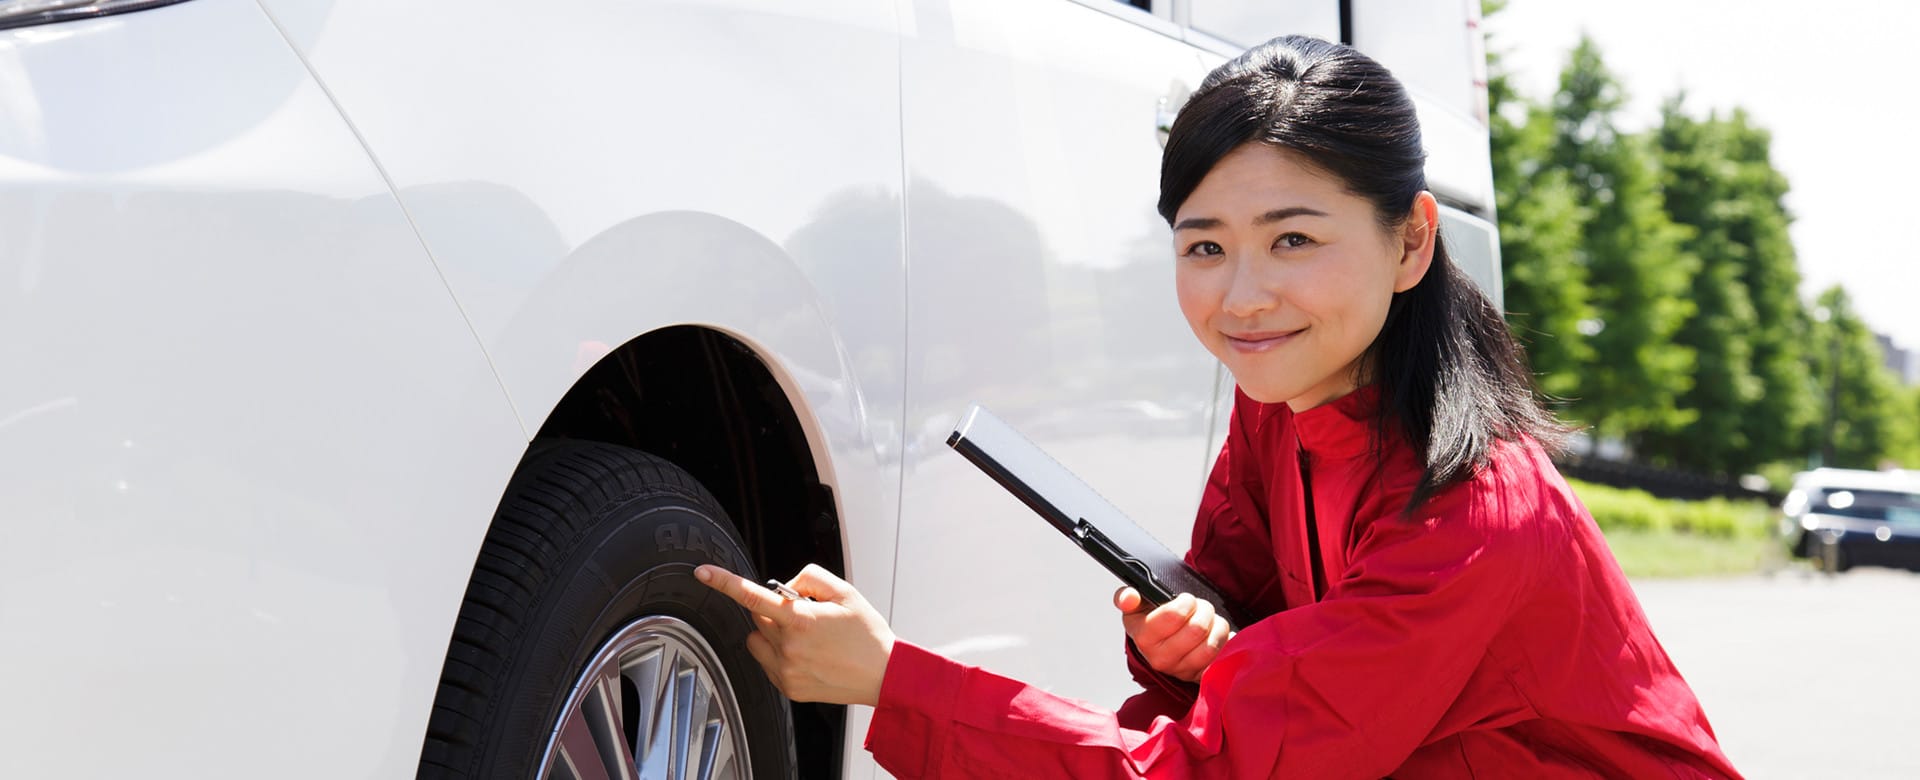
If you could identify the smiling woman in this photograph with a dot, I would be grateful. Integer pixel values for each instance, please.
(1300, 132)
(1287, 277)
(1428, 597)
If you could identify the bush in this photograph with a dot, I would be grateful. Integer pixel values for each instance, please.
(1780, 474)
(1626, 509)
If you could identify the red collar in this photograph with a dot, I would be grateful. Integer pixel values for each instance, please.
(1343, 428)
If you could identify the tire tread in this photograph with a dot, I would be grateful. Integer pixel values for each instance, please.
(548, 505)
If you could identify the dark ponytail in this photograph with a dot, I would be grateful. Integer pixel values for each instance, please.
(1452, 379)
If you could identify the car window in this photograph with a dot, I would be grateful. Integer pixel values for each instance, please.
(1156, 15)
(1888, 505)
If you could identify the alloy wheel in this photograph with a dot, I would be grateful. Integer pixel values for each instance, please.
(653, 704)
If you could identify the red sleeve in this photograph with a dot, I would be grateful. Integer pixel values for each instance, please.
(1160, 695)
(1228, 552)
(1345, 687)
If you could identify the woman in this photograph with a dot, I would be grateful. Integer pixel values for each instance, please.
(1433, 601)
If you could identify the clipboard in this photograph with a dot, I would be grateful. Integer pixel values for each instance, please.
(1074, 509)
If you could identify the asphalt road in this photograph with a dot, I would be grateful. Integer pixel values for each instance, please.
(1802, 675)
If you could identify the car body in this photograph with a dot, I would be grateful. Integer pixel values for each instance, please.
(1840, 518)
(287, 288)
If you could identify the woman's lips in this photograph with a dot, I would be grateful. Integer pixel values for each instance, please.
(1260, 341)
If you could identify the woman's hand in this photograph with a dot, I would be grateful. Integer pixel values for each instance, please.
(833, 649)
(1179, 638)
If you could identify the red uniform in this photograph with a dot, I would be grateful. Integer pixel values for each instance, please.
(1491, 634)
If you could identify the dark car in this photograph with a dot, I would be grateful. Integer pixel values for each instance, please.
(1840, 518)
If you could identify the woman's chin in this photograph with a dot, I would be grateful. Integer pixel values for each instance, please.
(1266, 393)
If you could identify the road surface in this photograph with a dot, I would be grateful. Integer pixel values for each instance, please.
(1802, 675)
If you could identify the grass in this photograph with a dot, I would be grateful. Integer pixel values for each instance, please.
(1656, 537)
(1677, 554)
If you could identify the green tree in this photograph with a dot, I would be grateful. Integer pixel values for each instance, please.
(1866, 422)
(1541, 222)
(1906, 449)
(1637, 269)
(1750, 397)
(1699, 183)
(1656, 286)
(1780, 424)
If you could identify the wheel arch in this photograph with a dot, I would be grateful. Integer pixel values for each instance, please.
(709, 402)
(699, 339)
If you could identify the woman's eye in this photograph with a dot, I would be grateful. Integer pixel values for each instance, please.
(1204, 248)
(1293, 241)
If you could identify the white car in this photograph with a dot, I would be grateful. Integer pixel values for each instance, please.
(376, 371)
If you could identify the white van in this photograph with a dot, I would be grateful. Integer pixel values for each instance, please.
(377, 370)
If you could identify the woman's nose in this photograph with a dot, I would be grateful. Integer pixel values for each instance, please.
(1250, 291)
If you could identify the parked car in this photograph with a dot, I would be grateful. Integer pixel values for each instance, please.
(1841, 518)
(376, 372)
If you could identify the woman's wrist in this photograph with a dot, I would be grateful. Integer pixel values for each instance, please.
(871, 697)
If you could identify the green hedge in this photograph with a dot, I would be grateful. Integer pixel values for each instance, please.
(1626, 509)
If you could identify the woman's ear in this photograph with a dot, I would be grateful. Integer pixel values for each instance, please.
(1418, 235)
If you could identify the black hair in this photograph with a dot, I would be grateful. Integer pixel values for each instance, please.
(1452, 379)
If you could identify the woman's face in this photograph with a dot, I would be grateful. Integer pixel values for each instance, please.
(1286, 277)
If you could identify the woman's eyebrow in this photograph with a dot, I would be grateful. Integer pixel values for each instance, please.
(1276, 215)
(1289, 212)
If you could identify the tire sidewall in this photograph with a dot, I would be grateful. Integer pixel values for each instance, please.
(636, 560)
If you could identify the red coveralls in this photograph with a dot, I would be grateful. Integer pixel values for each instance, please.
(1491, 635)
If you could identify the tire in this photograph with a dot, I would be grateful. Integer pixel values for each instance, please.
(590, 560)
(1828, 555)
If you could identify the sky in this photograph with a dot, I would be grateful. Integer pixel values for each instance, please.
(1832, 80)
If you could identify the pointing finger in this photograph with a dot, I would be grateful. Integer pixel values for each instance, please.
(747, 593)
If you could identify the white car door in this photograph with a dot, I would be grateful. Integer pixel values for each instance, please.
(1040, 283)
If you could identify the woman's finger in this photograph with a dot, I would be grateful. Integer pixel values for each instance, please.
(1191, 665)
(1222, 631)
(1200, 623)
(1166, 620)
(818, 583)
(768, 628)
(764, 652)
(1164, 645)
(1195, 661)
(745, 592)
(1133, 623)
(1128, 600)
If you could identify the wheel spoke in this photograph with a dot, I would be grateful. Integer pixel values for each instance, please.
(716, 759)
(693, 728)
(675, 692)
(687, 690)
(645, 672)
(579, 756)
(603, 710)
(659, 763)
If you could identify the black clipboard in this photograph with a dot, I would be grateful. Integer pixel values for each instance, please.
(1074, 509)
